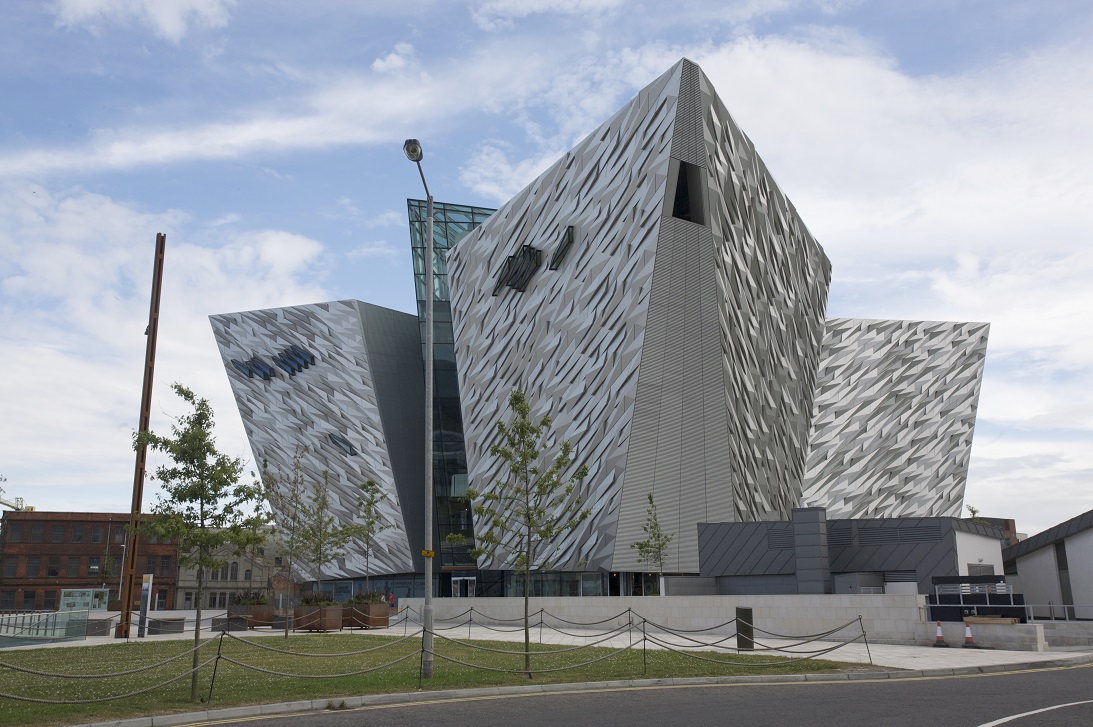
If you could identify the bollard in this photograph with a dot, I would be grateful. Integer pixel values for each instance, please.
(940, 640)
(745, 629)
(969, 643)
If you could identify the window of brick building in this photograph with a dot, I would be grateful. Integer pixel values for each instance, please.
(11, 567)
(50, 601)
(57, 534)
(15, 535)
(7, 600)
(76, 533)
(53, 568)
(119, 536)
(164, 566)
(28, 600)
(37, 533)
(73, 567)
(150, 564)
(92, 565)
(34, 565)
(96, 533)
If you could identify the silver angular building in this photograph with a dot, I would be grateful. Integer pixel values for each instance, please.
(659, 296)
(674, 334)
(342, 381)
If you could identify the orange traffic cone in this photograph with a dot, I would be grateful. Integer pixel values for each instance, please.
(940, 640)
(969, 643)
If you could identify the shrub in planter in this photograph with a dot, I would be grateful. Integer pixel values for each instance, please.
(253, 606)
(368, 610)
(317, 612)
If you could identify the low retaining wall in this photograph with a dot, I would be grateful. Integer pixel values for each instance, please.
(886, 617)
(1012, 637)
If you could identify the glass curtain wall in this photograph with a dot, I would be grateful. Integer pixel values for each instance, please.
(453, 513)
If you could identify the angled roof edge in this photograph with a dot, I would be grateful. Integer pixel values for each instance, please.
(1062, 531)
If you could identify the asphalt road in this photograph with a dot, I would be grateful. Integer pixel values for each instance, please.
(962, 701)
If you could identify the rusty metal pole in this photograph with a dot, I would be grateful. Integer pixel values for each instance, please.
(130, 568)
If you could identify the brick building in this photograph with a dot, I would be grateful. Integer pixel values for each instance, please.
(43, 553)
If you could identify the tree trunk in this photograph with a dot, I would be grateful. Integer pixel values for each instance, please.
(527, 626)
(197, 632)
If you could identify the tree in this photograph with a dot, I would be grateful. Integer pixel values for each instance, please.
(371, 521)
(203, 505)
(313, 537)
(532, 504)
(654, 549)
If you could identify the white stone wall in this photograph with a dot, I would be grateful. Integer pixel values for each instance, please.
(1079, 558)
(1038, 579)
(885, 617)
(974, 549)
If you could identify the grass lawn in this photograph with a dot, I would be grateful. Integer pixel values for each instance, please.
(238, 685)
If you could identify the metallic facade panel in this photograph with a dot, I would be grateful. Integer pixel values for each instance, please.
(346, 392)
(676, 354)
(894, 416)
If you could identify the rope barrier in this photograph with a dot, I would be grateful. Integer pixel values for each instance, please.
(338, 654)
(318, 676)
(609, 635)
(58, 675)
(186, 673)
(781, 661)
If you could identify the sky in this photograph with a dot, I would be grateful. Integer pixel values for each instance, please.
(939, 151)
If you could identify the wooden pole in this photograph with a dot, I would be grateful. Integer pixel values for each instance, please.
(130, 568)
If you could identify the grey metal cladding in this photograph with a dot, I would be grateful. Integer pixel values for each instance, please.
(893, 417)
(679, 446)
(573, 339)
(773, 282)
(726, 332)
(340, 395)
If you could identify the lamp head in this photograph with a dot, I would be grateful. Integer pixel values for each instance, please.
(412, 149)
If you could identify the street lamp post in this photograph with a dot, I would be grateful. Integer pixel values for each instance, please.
(413, 152)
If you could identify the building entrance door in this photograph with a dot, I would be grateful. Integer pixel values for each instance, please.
(463, 587)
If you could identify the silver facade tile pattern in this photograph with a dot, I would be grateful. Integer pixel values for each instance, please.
(676, 354)
(341, 394)
(894, 417)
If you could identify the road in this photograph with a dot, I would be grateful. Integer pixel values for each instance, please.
(961, 701)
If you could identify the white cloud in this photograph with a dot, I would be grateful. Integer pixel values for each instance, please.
(379, 248)
(499, 14)
(74, 287)
(401, 58)
(348, 109)
(490, 173)
(168, 19)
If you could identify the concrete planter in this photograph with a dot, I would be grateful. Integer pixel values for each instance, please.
(317, 618)
(366, 615)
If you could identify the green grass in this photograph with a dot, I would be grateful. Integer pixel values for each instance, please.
(237, 685)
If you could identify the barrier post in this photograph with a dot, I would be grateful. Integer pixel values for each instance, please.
(644, 663)
(865, 638)
(745, 629)
(216, 666)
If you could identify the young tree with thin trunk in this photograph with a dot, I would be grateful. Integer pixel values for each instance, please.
(654, 549)
(313, 536)
(532, 504)
(202, 504)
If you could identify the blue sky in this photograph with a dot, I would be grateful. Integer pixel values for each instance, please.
(939, 151)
